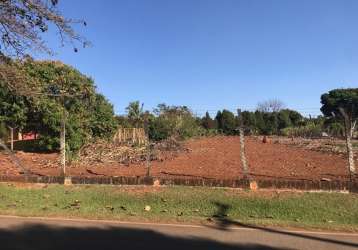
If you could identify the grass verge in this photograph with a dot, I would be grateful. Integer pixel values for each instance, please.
(331, 211)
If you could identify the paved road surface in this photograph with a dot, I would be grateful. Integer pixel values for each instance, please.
(57, 234)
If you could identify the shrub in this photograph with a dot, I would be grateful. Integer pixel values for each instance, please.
(173, 121)
(309, 130)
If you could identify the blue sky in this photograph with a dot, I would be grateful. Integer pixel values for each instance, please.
(215, 54)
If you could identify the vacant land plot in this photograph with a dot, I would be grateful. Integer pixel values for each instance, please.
(183, 204)
(215, 157)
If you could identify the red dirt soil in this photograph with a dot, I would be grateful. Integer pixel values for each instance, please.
(215, 157)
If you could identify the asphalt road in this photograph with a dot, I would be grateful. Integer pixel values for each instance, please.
(57, 234)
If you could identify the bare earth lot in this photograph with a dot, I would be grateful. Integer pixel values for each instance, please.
(216, 157)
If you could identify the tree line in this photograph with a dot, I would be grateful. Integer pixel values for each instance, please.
(178, 121)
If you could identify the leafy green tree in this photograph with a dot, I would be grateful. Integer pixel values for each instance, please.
(227, 122)
(12, 109)
(295, 117)
(173, 121)
(260, 123)
(159, 129)
(3, 131)
(135, 114)
(207, 122)
(283, 119)
(59, 86)
(249, 122)
(218, 119)
(102, 121)
(271, 123)
(343, 104)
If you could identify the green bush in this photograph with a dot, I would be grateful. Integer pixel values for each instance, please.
(173, 121)
(309, 130)
(159, 129)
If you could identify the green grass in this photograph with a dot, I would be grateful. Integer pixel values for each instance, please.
(334, 211)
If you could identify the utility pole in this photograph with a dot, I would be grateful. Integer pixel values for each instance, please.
(149, 148)
(242, 145)
(63, 139)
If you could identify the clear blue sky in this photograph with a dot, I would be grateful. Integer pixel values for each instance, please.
(214, 54)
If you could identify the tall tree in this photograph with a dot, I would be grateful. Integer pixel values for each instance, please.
(249, 121)
(135, 113)
(343, 104)
(12, 112)
(88, 114)
(227, 122)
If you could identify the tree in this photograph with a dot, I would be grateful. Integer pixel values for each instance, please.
(135, 114)
(14, 78)
(249, 121)
(271, 123)
(226, 122)
(102, 121)
(295, 117)
(173, 121)
(283, 119)
(343, 104)
(218, 119)
(272, 105)
(22, 23)
(12, 112)
(259, 122)
(63, 89)
(159, 129)
(207, 122)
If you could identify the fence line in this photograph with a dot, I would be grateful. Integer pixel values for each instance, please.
(300, 185)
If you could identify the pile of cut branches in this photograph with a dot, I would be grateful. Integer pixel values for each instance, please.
(107, 152)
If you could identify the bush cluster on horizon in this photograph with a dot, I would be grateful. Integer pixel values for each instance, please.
(179, 122)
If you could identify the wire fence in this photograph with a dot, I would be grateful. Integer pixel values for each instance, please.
(275, 157)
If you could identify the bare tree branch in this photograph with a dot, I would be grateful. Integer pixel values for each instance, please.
(22, 23)
(272, 105)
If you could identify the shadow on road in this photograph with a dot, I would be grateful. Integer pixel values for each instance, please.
(224, 223)
(41, 237)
